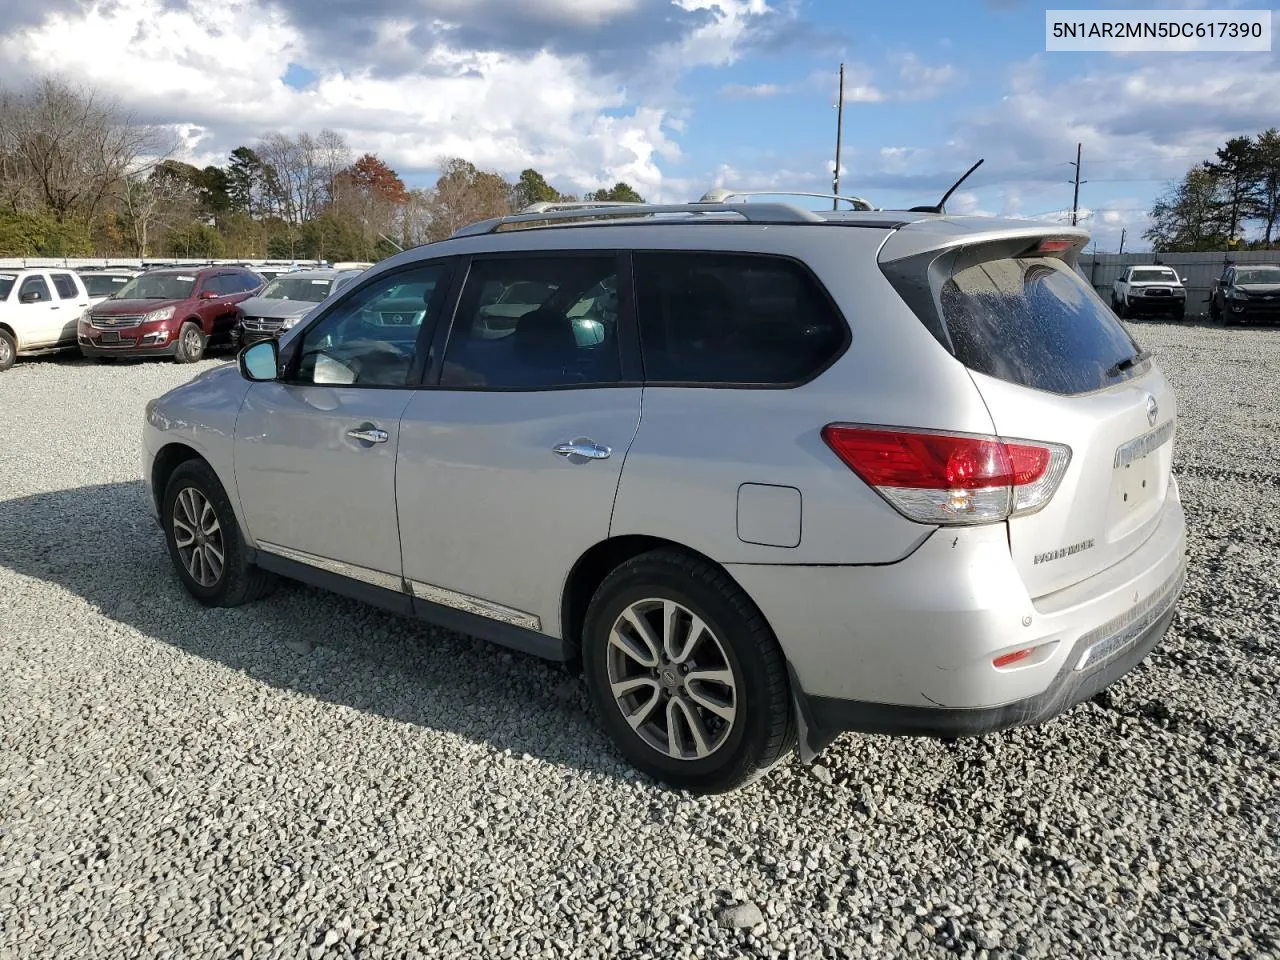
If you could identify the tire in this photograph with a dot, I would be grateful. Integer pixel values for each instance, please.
(193, 487)
(8, 350)
(1123, 313)
(1215, 314)
(191, 344)
(737, 643)
(1181, 315)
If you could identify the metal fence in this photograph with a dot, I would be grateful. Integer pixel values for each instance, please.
(1198, 270)
(134, 263)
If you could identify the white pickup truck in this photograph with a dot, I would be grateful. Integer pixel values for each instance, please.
(1149, 289)
(39, 310)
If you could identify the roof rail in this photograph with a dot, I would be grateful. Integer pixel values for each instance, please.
(546, 206)
(770, 213)
(723, 194)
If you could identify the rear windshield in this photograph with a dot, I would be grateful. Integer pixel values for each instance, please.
(1036, 323)
(1154, 276)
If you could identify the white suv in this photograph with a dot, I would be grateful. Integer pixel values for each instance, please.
(762, 474)
(39, 310)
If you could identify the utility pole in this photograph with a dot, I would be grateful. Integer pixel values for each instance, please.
(835, 181)
(1123, 231)
(1075, 202)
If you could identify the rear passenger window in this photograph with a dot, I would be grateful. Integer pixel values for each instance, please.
(710, 318)
(536, 322)
(65, 286)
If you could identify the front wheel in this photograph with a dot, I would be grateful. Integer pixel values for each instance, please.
(191, 344)
(686, 675)
(8, 350)
(204, 540)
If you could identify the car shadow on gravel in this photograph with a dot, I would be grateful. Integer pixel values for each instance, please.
(102, 544)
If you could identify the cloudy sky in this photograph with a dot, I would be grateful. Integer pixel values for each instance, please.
(673, 96)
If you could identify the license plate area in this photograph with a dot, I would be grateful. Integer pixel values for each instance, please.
(110, 336)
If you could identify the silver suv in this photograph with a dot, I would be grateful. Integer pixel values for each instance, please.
(763, 475)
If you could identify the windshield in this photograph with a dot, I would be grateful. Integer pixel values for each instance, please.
(157, 286)
(1258, 275)
(7, 281)
(103, 284)
(297, 288)
(1154, 276)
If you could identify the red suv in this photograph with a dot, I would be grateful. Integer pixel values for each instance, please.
(170, 313)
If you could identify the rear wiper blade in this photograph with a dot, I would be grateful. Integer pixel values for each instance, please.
(1129, 363)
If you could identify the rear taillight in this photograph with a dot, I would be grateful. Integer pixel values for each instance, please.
(951, 478)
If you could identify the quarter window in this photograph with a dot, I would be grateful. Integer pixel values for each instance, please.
(536, 322)
(65, 286)
(372, 338)
(710, 318)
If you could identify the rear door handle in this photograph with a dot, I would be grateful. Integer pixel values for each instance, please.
(582, 447)
(369, 435)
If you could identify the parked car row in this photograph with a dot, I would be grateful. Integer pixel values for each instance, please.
(1248, 293)
(180, 312)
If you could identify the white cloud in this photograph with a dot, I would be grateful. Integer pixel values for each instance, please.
(213, 71)
(922, 82)
(752, 91)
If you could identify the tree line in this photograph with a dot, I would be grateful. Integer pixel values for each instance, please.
(80, 177)
(1230, 201)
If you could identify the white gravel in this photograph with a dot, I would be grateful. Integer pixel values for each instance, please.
(308, 777)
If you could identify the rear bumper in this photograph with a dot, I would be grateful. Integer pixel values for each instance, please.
(828, 716)
(909, 647)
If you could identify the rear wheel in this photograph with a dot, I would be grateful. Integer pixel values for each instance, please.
(1215, 313)
(685, 674)
(191, 344)
(204, 540)
(8, 350)
(1123, 313)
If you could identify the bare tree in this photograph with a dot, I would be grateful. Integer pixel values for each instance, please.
(164, 198)
(301, 171)
(68, 149)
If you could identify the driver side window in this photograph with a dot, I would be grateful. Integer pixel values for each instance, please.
(371, 338)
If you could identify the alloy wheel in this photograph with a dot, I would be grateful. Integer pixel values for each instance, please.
(671, 679)
(197, 533)
(6, 352)
(191, 341)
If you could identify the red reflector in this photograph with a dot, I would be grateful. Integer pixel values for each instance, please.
(935, 461)
(1054, 246)
(1007, 658)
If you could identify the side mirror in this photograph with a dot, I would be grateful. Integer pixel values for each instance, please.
(1183, 280)
(260, 362)
(209, 295)
(31, 296)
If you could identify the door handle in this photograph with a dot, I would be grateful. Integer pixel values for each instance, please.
(582, 447)
(369, 435)
(55, 308)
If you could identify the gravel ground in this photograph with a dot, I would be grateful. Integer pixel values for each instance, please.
(309, 777)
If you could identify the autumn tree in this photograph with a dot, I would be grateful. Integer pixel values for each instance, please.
(369, 197)
(465, 194)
